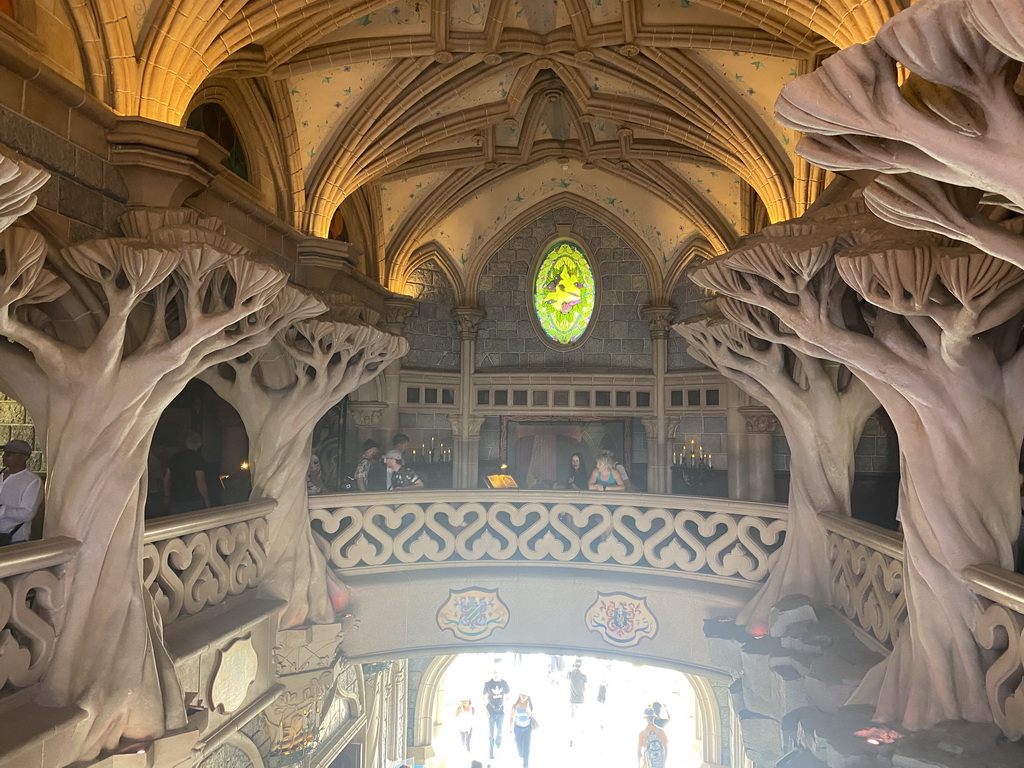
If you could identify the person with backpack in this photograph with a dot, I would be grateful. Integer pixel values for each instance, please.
(652, 745)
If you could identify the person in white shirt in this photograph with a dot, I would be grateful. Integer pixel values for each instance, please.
(19, 493)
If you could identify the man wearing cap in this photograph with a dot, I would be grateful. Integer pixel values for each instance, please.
(652, 746)
(401, 477)
(370, 451)
(19, 493)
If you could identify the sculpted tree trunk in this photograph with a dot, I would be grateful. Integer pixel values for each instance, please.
(938, 343)
(822, 410)
(150, 311)
(946, 144)
(280, 394)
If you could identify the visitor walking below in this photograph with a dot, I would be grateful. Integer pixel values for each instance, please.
(464, 716)
(520, 723)
(495, 691)
(652, 745)
(577, 686)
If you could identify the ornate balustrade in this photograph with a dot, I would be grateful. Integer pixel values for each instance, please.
(32, 592)
(1000, 628)
(195, 560)
(703, 538)
(866, 576)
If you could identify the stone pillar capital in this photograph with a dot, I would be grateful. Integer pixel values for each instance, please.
(397, 309)
(760, 420)
(474, 423)
(659, 319)
(469, 319)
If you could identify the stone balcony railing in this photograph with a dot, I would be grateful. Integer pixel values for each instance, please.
(198, 559)
(866, 576)
(709, 539)
(32, 598)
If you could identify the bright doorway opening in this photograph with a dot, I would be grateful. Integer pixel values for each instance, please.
(602, 731)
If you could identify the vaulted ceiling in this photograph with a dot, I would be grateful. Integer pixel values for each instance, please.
(438, 125)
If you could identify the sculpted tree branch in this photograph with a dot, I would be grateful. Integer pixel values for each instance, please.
(822, 414)
(280, 394)
(191, 293)
(936, 350)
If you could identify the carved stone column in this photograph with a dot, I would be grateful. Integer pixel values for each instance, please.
(397, 310)
(754, 476)
(659, 468)
(466, 439)
(466, 434)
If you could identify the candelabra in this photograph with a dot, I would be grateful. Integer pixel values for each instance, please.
(693, 463)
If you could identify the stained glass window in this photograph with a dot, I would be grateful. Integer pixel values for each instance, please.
(564, 293)
(212, 120)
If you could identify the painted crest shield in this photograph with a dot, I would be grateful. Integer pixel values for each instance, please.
(473, 613)
(621, 620)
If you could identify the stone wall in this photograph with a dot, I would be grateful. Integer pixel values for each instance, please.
(86, 195)
(688, 300)
(508, 338)
(432, 332)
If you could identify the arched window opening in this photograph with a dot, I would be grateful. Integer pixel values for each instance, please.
(212, 120)
(564, 293)
(338, 229)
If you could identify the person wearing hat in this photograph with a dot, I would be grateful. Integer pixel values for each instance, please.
(19, 493)
(365, 465)
(401, 478)
(652, 745)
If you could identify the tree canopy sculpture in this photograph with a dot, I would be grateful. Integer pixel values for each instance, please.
(936, 338)
(946, 142)
(137, 318)
(280, 393)
(946, 146)
(822, 409)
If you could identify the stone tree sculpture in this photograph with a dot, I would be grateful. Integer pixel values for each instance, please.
(946, 143)
(280, 394)
(936, 337)
(137, 318)
(822, 409)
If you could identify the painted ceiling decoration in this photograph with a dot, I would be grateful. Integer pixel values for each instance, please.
(438, 124)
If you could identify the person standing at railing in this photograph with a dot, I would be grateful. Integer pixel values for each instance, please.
(365, 465)
(402, 478)
(578, 474)
(605, 477)
(19, 493)
(185, 487)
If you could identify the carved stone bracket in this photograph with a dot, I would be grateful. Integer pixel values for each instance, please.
(475, 422)
(759, 420)
(308, 667)
(367, 413)
(162, 165)
(469, 319)
(659, 319)
(396, 312)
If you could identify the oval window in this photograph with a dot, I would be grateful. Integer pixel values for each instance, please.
(564, 293)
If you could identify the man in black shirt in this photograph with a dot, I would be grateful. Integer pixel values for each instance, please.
(185, 479)
(495, 691)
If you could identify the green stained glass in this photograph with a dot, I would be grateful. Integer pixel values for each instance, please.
(564, 293)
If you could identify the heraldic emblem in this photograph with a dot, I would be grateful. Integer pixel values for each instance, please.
(473, 613)
(622, 620)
